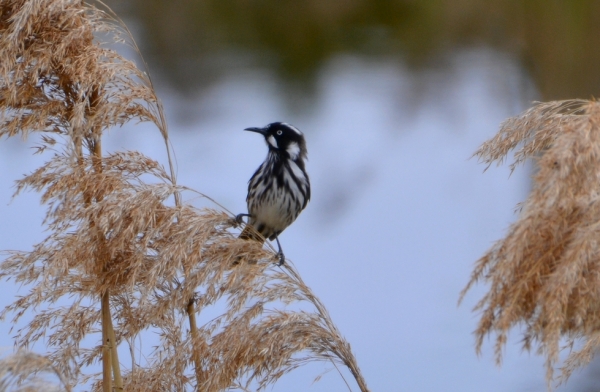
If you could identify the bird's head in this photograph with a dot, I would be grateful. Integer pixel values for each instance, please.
(283, 139)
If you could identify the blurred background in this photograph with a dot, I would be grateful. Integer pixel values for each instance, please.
(394, 96)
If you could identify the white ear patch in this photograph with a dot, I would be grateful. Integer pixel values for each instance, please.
(272, 141)
(294, 150)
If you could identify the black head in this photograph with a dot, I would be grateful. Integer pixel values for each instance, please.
(283, 139)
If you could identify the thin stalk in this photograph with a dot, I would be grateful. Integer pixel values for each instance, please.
(190, 308)
(106, 344)
(115, 358)
(195, 342)
(110, 358)
(108, 331)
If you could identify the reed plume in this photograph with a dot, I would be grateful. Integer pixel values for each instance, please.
(29, 372)
(123, 251)
(544, 275)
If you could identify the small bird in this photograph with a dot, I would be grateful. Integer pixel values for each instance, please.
(279, 189)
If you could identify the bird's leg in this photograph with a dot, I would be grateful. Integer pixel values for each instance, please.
(239, 218)
(279, 253)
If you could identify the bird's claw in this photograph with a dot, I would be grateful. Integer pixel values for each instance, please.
(281, 258)
(239, 218)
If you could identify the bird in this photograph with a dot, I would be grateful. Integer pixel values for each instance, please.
(280, 188)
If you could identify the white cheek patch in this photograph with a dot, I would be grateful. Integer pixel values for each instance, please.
(294, 150)
(272, 141)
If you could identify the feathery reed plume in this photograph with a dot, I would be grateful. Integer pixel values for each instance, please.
(58, 80)
(125, 258)
(545, 273)
(23, 372)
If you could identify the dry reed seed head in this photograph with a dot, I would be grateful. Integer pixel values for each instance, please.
(534, 130)
(231, 348)
(264, 349)
(545, 273)
(55, 77)
(26, 371)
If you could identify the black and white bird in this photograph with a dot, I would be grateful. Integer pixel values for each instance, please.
(279, 189)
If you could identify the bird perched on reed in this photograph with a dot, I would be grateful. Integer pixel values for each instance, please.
(279, 189)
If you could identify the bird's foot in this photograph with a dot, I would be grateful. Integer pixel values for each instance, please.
(281, 258)
(239, 218)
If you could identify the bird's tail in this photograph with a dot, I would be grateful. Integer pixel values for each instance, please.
(250, 233)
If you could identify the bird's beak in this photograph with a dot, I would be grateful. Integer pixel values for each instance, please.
(262, 131)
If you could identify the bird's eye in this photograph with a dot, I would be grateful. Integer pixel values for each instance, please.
(279, 132)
